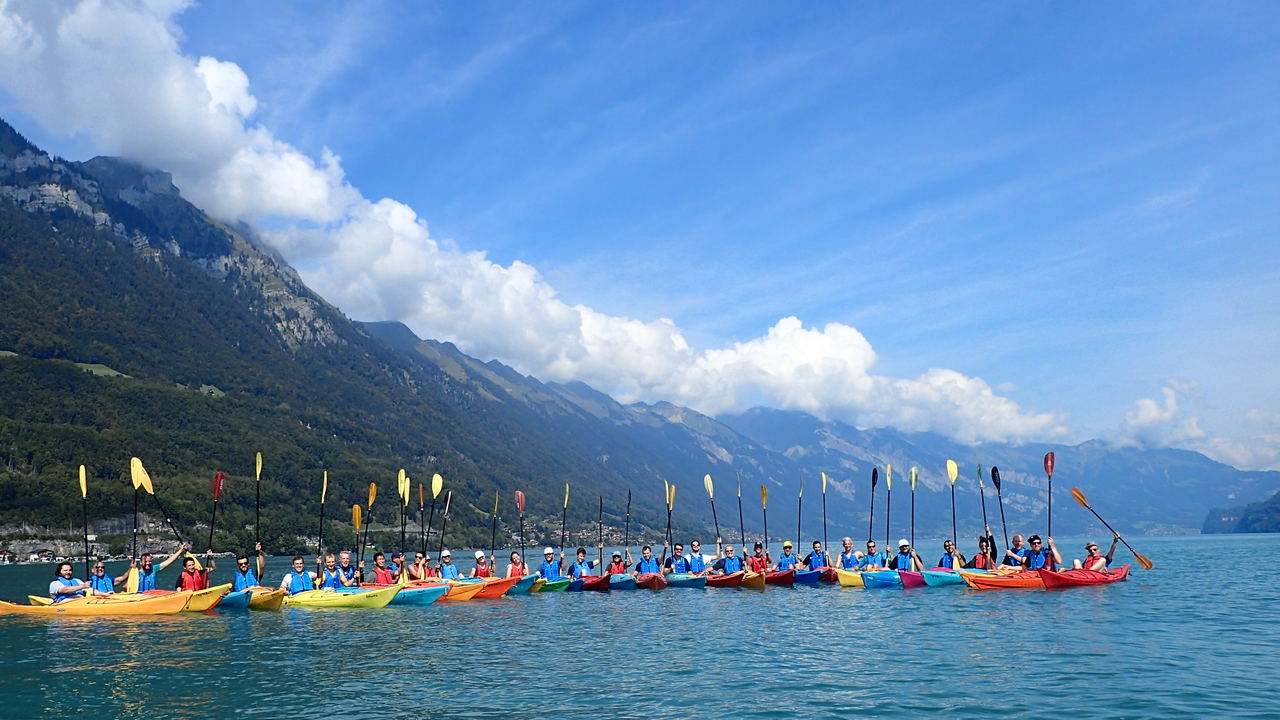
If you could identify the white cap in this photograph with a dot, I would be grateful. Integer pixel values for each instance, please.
(548, 551)
(479, 554)
(445, 554)
(903, 542)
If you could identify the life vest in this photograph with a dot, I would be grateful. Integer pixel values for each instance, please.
(580, 569)
(679, 565)
(59, 597)
(648, 566)
(879, 559)
(848, 562)
(198, 580)
(1085, 564)
(819, 560)
(617, 568)
(331, 579)
(696, 563)
(101, 584)
(1042, 559)
(483, 570)
(449, 572)
(904, 561)
(244, 580)
(982, 561)
(348, 572)
(299, 582)
(383, 576)
(147, 580)
(758, 563)
(948, 561)
(1020, 553)
(732, 565)
(514, 570)
(549, 570)
(786, 562)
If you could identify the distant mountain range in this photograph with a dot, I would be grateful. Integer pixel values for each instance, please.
(204, 347)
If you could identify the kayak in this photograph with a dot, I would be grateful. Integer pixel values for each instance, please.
(828, 574)
(808, 577)
(621, 581)
(651, 581)
(754, 580)
(997, 581)
(911, 578)
(557, 585)
(327, 598)
(235, 600)
(105, 605)
(537, 585)
(202, 600)
(731, 580)
(412, 595)
(938, 577)
(496, 587)
(596, 583)
(1078, 578)
(265, 598)
(780, 577)
(849, 578)
(882, 579)
(686, 580)
(576, 585)
(460, 592)
(523, 584)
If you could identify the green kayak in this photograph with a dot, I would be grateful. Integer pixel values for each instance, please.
(557, 585)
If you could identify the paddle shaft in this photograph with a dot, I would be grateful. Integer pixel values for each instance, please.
(166, 518)
(824, 522)
(667, 539)
(367, 517)
(135, 524)
(913, 518)
(522, 562)
(742, 528)
(1050, 532)
(85, 500)
(713, 517)
(563, 515)
(422, 527)
(871, 522)
(983, 494)
(1113, 532)
(953, 516)
(888, 505)
(212, 520)
(1000, 501)
(432, 519)
(626, 533)
(764, 513)
(600, 535)
(493, 540)
(799, 508)
(257, 513)
(444, 522)
(319, 542)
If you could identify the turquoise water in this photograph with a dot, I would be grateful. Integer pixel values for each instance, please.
(1180, 641)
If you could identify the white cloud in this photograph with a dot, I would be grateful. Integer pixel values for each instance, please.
(1156, 424)
(115, 71)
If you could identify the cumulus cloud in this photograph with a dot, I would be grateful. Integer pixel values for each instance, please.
(115, 71)
(1167, 422)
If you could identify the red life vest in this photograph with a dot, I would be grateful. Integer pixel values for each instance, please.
(484, 570)
(198, 580)
(383, 576)
(514, 570)
(617, 568)
(982, 561)
(758, 564)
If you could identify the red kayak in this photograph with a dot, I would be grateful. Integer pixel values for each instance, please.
(729, 581)
(781, 577)
(911, 578)
(1076, 578)
(651, 581)
(828, 574)
(598, 583)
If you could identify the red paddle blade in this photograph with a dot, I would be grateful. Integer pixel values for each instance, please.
(218, 480)
(520, 500)
(1048, 465)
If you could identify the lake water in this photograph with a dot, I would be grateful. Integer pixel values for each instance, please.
(1183, 640)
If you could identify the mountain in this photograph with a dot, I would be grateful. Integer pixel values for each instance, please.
(1256, 517)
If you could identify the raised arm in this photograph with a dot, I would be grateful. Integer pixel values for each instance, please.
(182, 549)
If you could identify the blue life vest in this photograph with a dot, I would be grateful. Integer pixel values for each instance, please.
(904, 561)
(679, 565)
(331, 579)
(101, 584)
(732, 565)
(819, 560)
(549, 570)
(1019, 553)
(648, 566)
(59, 597)
(848, 562)
(349, 572)
(147, 580)
(1038, 559)
(580, 569)
(786, 562)
(948, 561)
(880, 558)
(299, 583)
(695, 563)
(244, 580)
(449, 572)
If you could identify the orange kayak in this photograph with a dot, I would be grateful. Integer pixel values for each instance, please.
(995, 581)
(463, 591)
(496, 587)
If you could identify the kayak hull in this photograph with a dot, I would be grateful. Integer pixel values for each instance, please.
(201, 600)
(1081, 578)
(849, 578)
(651, 581)
(523, 584)
(461, 591)
(559, 585)
(882, 579)
(731, 580)
(828, 574)
(576, 585)
(104, 606)
(939, 577)
(911, 578)
(408, 596)
(686, 580)
(369, 599)
(808, 577)
(595, 583)
(621, 581)
(780, 577)
(236, 600)
(537, 585)
(265, 598)
(753, 580)
(495, 588)
(1003, 581)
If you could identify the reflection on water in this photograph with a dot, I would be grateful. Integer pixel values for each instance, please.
(1156, 646)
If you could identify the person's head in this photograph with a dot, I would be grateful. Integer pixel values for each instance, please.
(242, 562)
(847, 543)
(515, 558)
(1092, 549)
(344, 558)
(1035, 543)
(786, 548)
(330, 562)
(617, 556)
(728, 549)
(99, 568)
(817, 546)
(397, 558)
(904, 546)
(548, 553)
(679, 547)
(189, 564)
(695, 547)
(647, 552)
(298, 563)
(871, 547)
(582, 554)
(1017, 541)
(983, 545)
(63, 570)
(419, 558)
(146, 561)
(948, 546)
(379, 560)
(446, 558)
(759, 548)
(480, 557)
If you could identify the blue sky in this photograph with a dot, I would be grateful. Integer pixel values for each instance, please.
(1076, 204)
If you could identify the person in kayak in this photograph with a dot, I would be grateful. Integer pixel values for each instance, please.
(817, 559)
(330, 576)
(950, 559)
(648, 563)
(906, 559)
(550, 568)
(101, 583)
(1041, 557)
(483, 568)
(848, 558)
(397, 565)
(787, 561)
(447, 570)
(873, 560)
(299, 579)
(381, 574)
(695, 562)
(418, 570)
(986, 557)
(1016, 554)
(344, 567)
(677, 563)
(147, 571)
(192, 579)
(244, 577)
(65, 587)
(728, 564)
(758, 562)
(517, 568)
(617, 567)
(582, 567)
(1094, 559)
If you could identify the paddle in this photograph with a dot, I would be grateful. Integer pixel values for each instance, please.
(132, 580)
(953, 471)
(422, 518)
(402, 489)
(671, 504)
(600, 535)
(799, 508)
(84, 498)
(520, 507)
(995, 480)
(373, 493)
(741, 527)
(564, 514)
(871, 523)
(444, 522)
(257, 506)
(1143, 560)
(355, 520)
(493, 537)
(915, 474)
(626, 533)
(888, 503)
(764, 511)
(982, 493)
(218, 479)
(324, 490)
(437, 484)
(136, 466)
(1048, 470)
(825, 551)
(706, 482)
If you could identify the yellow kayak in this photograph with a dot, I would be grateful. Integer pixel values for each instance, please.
(202, 600)
(537, 585)
(105, 605)
(753, 580)
(330, 599)
(265, 598)
(849, 578)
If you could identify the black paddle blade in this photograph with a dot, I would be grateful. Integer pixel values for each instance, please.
(875, 477)
(995, 477)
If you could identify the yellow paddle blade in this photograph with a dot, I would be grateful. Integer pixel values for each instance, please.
(402, 486)
(373, 493)
(888, 476)
(764, 497)
(355, 516)
(495, 502)
(421, 495)
(84, 487)
(408, 490)
(671, 500)
(257, 473)
(666, 492)
(437, 483)
(566, 496)
(706, 482)
(952, 471)
(131, 581)
(915, 475)
(824, 483)
(140, 477)
(324, 488)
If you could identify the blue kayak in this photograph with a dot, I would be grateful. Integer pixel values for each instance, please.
(575, 586)
(619, 581)
(938, 578)
(882, 579)
(525, 583)
(420, 595)
(686, 580)
(808, 577)
(235, 601)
